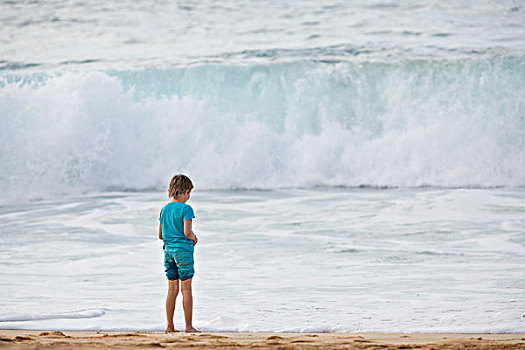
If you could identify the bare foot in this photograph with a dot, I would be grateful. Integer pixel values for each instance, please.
(170, 330)
(192, 330)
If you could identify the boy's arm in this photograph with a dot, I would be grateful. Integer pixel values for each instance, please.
(160, 231)
(188, 232)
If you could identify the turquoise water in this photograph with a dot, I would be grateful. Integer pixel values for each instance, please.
(457, 123)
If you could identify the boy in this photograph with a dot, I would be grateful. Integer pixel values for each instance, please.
(179, 241)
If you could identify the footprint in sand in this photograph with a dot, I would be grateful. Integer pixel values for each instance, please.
(19, 337)
(302, 341)
(212, 336)
(274, 337)
(362, 341)
(52, 334)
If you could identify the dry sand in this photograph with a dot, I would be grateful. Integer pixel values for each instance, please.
(22, 339)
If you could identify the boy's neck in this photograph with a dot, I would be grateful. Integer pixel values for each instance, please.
(177, 200)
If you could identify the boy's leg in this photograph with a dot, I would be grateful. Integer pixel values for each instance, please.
(173, 291)
(187, 304)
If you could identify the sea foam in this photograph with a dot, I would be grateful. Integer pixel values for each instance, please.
(56, 316)
(296, 124)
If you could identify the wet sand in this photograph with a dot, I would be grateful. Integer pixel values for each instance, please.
(23, 339)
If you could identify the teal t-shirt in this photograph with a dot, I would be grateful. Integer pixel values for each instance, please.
(172, 217)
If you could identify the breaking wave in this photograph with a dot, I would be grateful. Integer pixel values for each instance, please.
(442, 123)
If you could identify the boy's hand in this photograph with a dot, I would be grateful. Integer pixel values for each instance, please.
(195, 240)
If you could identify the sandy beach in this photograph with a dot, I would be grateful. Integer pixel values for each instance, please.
(23, 339)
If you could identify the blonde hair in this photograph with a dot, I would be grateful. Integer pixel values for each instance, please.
(179, 184)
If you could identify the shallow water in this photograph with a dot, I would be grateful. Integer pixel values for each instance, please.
(420, 260)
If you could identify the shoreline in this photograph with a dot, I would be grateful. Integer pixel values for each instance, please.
(21, 339)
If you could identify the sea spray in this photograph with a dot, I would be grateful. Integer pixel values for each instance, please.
(447, 123)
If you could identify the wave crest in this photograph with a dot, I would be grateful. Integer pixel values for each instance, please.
(412, 123)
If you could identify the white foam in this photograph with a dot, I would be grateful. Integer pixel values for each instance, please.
(423, 260)
(40, 317)
(286, 125)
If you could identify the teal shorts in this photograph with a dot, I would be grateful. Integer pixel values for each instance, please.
(178, 264)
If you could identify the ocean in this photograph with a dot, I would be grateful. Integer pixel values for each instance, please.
(358, 165)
